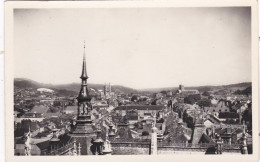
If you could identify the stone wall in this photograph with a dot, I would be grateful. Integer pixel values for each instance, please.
(197, 133)
(130, 148)
(178, 150)
(191, 150)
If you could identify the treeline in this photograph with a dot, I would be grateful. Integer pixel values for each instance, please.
(247, 91)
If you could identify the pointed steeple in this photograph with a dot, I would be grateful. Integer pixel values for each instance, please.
(84, 75)
(83, 95)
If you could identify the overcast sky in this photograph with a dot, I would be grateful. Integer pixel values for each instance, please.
(138, 48)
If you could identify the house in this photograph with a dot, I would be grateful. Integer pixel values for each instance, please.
(141, 109)
(240, 107)
(224, 116)
(132, 116)
(178, 133)
(185, 92)
(221, 106)
(39, 109)
(211, 120)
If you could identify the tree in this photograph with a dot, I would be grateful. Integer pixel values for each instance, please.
(238, 92)
(206, 93)
(246, 91)
(169, 103)
(204, 103)
(154, 102)
(134, 98)
(145, 133)
(160, 120)
(191, 99)
(188, 119)
(247, 117)
(221, 92)
(164, 92)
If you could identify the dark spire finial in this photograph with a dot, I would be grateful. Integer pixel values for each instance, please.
(84, 70)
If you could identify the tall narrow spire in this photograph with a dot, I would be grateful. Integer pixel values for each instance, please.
(83, 95)
(84, 75)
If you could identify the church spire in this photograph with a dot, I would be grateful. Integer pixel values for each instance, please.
(83, 95)
(84, 75)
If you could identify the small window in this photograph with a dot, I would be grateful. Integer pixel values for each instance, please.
(219, 110)
(214, 110)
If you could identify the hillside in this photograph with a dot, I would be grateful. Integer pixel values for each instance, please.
(234, 87)
(75, 87)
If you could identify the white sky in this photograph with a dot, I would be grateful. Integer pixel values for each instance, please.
(138, 48)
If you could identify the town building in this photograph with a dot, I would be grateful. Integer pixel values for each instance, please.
(184, 91)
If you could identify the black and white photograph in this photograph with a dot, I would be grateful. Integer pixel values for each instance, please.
(133, 81)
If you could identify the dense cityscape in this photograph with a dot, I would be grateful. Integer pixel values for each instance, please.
(116, 120)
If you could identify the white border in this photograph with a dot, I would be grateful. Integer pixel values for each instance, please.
(9, 6)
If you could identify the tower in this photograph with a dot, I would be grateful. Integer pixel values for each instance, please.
(84, 105)
(83, 132)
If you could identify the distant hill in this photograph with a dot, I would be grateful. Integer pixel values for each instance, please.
(238, 86)
(74, 87)
(247, 91)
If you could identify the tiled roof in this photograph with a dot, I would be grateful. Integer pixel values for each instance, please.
(141, 107)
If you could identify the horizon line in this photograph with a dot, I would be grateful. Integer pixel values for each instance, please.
(58, 84)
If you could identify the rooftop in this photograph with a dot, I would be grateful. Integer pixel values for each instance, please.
(140, 107)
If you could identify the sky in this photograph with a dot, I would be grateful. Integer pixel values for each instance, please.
(134, 47)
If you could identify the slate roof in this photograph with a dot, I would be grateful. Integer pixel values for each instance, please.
(228, 115)
(43, 145)
(205, 137)
(40, 109)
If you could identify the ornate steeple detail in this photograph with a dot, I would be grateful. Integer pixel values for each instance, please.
(83, 131)
(84, 121)
(83, 94)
